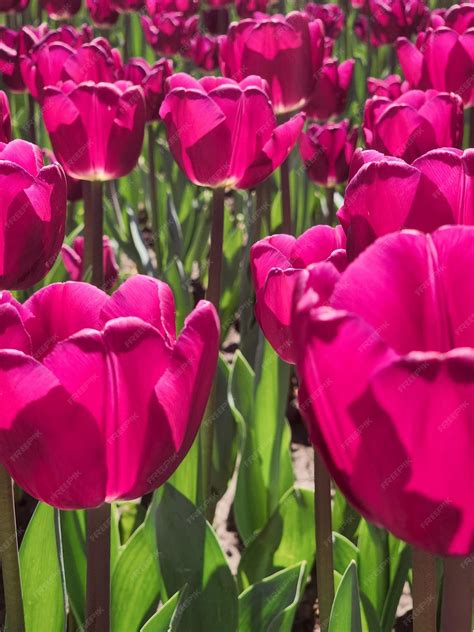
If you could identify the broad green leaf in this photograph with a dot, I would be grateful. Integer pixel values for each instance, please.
(344, 552)
(42, 573)
(345, 612)
(73, 532)
(161, 620)
(189, 553)
(270, 605)
(265, 470)
(286, 539)
(374, 564)
(135, 583)
(175, 277)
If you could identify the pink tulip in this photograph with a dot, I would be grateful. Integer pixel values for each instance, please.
(153, 81)
(277, 263)
(170, 33)
(248, 8)
(414, 123)
(102, 13)
(273, 47)
(74, 186)
(331, 15)
(383, 21)
(5, 121)
(73, 258)
(442, 59)
(13, 44)
(111, 367)
(387, 194)
(158, 7)
(330, 91)
(460, 17)
(387, 383)
(127, 6)
(205, 52)
(13, 6)
(61, 9)
(96, 129)
(391, 87)
(34, 213)
(225, 134)
(327, 151)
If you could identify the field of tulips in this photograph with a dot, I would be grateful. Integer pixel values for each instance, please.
(236, 316)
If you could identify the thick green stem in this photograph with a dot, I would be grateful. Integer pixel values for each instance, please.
(9, 555)
(93, 232)
(456, 611)
(155, 212)
(213, 294)
(425, 591)
(98, 569)
(324, 557)
(285, 197)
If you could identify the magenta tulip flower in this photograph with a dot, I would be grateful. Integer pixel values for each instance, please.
(14, 44)
(170, 33)
(225, 134)
(102, 13)
(277, 263)
(383, 21)
(387, 383)
(386, 194)
(442, 59)
(132, 393)
(61, 9)
(272, 47)
(152, 79)
(127, 6)
(329, 95)
(460, 17)
(391, 87)
(5, 120)
(96, 129)
(73, 258)
(331, 15)
(327, 151)
(248, 8)
(414, 123)
(13, 6)
(205, 52)
(158, 7)
(34, 213)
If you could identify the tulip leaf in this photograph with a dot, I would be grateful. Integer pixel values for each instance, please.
(401, 567)
(42, 573)
(73, 532)
(175, 277)
(344, 552)
(345, 612)
(135, 583)
(345, 519)
(265, 470)
(286, 539)
(190, 554)
(270, 605)
(161, 620)
(374, 565)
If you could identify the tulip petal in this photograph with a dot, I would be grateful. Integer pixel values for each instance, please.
(13, 334)
(271, 252)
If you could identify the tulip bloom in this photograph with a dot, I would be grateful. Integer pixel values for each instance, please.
(383, 21)
(96, 130)
(386, 194)
(158, 7)
(414, 123)
(327, 151)
(34, 214)
(387, 384)
(277, 263)
(14, 44)
(331, 15)
(61, 9)
(152, 79)
(248, 8)
(441, 59)
(273, 47)
(329, 95)
(460, 17)
(13, 6)
(132, 393)
(5, 121)
(205, 52)
(391, 87)
(170, 33)
(225, 134)
(127, 6)
(73, 258)
(102, 13)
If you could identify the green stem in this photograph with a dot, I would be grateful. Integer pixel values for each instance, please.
(9, 555)
(456, 611)
(324, 556)
(285, 197)
(30, 126)
(155, 212)
(331, 206)
(98, 569)
(93, 231)
(213, 294)
(425, 591)
(127, 34)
